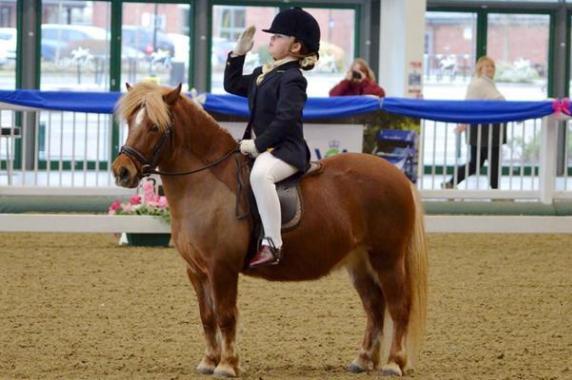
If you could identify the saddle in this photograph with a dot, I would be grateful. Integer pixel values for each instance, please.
(291, 204)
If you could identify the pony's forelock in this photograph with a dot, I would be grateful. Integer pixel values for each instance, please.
(149, 95)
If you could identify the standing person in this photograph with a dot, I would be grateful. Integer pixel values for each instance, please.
(276, 97)
(359, 80)
(482, 87)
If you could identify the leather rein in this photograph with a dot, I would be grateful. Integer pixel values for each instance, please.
(148, 166)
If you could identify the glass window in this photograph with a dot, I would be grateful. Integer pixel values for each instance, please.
(337, 48)
(519, 45)
(449, 57)
(232, 22)
(155, 43)
(75, 45)
(228, 23)
(8, 38)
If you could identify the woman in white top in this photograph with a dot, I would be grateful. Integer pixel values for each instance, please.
(482, 87)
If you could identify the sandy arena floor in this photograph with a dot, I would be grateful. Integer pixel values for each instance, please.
(79, 307)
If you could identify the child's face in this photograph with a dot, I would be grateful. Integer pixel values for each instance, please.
(279, 46)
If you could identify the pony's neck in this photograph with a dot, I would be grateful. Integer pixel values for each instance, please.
(203, 137)
(198, 141)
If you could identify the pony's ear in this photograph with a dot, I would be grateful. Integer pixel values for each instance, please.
(128, 86)
(173, 95)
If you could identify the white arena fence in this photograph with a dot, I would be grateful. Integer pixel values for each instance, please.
(532, 164)
(51, 152)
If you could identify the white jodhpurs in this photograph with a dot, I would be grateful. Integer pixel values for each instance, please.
(268, 170)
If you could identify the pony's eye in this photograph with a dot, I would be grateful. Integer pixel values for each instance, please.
(154, 128)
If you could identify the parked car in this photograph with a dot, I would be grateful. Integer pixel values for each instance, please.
(7, 45)
(59, 39)
(141, 38)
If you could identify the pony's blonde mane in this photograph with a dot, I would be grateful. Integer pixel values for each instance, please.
(149, 95)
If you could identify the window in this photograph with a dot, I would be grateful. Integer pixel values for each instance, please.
(337, 45)
(449, 57)
(232, 22)
(8, 39)
(521, 71)
(228, 23)
(75, 45)
(155, 43)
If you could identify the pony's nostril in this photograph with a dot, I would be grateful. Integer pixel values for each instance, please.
(123, 173)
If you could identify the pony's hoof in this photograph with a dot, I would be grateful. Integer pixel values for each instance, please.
(206, 366)
(391, 369)
(205, 369)
(224, 371)
(356, 368)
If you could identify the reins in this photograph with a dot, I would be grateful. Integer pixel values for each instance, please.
(210, 165)
(148, 167)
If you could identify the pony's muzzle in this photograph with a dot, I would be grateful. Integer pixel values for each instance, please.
(125, 172)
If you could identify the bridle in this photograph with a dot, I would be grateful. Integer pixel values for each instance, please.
(148, 166)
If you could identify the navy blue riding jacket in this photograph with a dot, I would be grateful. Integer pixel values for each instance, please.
(275, 106)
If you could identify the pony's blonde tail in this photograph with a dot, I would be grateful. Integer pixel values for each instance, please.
(416, 267)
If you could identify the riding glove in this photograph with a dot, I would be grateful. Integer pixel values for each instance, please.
(248, 147)
(245, 41)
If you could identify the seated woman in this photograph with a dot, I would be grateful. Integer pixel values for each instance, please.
(359, 80)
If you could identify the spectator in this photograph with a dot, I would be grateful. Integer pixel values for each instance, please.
(482, 87)
(359, 80)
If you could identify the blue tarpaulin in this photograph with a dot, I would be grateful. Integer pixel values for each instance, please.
(468, 111)
(96, 102)
(460, 111)
(316, 108)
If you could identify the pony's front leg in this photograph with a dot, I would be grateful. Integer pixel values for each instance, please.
(225, 286)
(203, 289)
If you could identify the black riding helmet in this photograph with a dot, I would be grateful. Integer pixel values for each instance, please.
(298, 23)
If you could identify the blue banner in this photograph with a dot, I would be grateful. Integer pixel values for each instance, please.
(459, 111)
(468, 111)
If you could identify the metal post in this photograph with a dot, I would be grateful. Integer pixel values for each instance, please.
(548, 141)
(30, 76)
(200, 35)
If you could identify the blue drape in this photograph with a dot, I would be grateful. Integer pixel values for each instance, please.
(470, 111)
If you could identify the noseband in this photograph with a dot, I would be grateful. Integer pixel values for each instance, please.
(148, 166)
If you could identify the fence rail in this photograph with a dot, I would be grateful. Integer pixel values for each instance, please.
(57, 152)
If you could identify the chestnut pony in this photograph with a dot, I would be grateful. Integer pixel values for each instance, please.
(360, 213)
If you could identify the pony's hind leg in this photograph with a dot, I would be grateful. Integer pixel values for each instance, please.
(393, 280)
(365, 282)
(211, 357)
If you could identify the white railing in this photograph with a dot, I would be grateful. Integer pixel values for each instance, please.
(564, 179)
(72, 154)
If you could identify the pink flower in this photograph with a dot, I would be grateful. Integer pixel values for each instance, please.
(163, 202)
(149, 192)
(147, 202)
(115, 205)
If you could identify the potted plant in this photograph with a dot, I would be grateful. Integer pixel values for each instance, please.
(147, 201)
